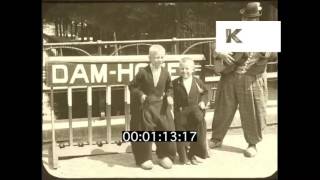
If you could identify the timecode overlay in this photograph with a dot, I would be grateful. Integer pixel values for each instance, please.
(159, 136)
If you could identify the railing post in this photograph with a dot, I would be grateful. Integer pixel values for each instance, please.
(70, 115)
(118, 51)
(175, 46)
(99, 48)
(101, 97)
(61, 54)
(108, 112)
(53, 149)
(127, 108)
(89, 102)
(210, 53)
(137, 49)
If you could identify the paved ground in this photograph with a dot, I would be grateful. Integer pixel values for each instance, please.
(227, 161)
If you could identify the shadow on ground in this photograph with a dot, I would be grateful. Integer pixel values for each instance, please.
(123, 159)
(230, 149)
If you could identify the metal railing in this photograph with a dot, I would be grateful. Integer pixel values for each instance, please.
(116, 47)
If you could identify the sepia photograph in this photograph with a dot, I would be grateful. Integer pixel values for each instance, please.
(139, 90)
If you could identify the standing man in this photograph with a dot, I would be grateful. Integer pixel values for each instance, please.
(151, 92)
(243, 83)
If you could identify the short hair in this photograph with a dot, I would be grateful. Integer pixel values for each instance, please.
(156, 48)
(187, 60)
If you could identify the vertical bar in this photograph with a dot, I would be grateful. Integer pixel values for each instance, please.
(71, 29)
(137, 49)
(175, 46)
(60, 27)
(213, 51)
(89, 102)
(67, 29)
(118, 53)
(99, 51)
(100, 99)
(108, 113)
(61, 54)
(82, 30)
(102, 104)
(115, 45)
(56, 27)
(53, 136)
(99, 48)
(210, 53)
(127, 108)
(214, 94)
(75, 30)
(70, 115)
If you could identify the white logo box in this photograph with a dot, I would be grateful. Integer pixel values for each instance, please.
(256, 36)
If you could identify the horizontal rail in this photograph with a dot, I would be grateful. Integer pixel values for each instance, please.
(129, 41)
(83, 122)
(270, 75)
(119, 59)
(46, 88)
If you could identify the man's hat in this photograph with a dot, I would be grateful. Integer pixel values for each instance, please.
(253, 9)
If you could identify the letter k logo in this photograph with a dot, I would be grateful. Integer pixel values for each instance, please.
(233, 35)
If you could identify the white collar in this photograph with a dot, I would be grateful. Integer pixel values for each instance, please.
(153, 68)
(188, 79)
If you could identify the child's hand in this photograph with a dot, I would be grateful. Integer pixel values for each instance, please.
(170, 100)
(143, 98)
(202, 105)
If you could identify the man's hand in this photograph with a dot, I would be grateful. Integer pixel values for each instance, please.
(271, 55)
(226, 57)
(143, 98)
(202, 105)
(170, 100)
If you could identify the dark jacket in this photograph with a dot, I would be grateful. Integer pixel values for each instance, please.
(143, 84)
(242, 64)
(198, 92)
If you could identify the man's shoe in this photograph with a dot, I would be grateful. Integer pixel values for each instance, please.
(214, 143)
(198, 159)
(184, 161)
(193, 161)
(251, 151)
(147, 165)
(166, 163)
(187, 162)
(207, 154)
